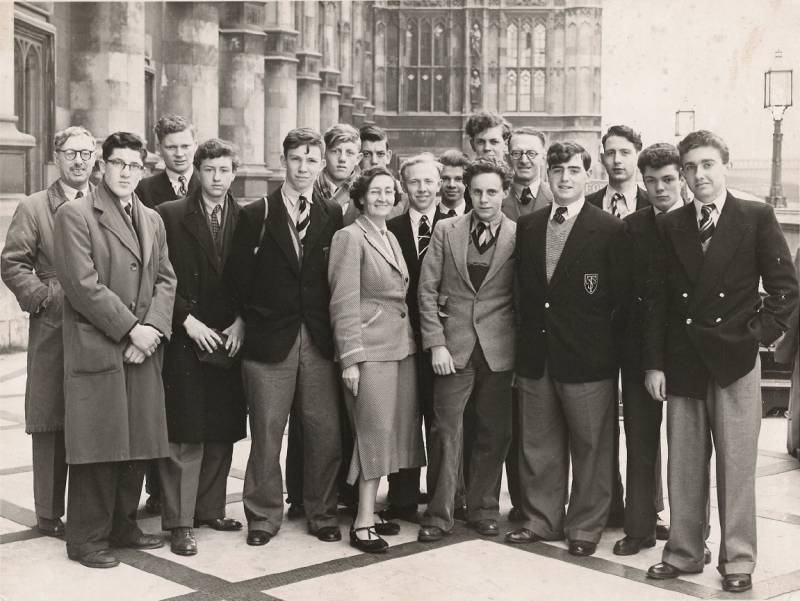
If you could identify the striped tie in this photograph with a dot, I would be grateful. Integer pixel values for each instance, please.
(303, 217)
(618, 206)
(423, 236)
(482, 237)
(215, 222)
(706, 225)
(559, 215)
(182, 189)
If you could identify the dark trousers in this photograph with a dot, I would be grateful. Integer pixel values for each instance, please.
(616, 516)
(49, 474)
(512, 458)
(152, 480)
(491, 395)
(101, 505)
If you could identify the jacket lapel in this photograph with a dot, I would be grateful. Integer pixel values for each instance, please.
(373, 238)
(686, 242)
(458, 238)
(231, 219)
(319, 220)
(56, 196)
(277, 227)
(538, 227)
(579, 237)
(504, 248)
(194, 220)
(111, 219)
(144, 229)
(405, 236)
(641, 199)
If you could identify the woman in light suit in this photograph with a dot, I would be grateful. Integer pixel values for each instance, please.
(375, 348)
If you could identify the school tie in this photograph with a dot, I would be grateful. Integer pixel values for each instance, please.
(215, 221)
(303, 217)
(79, 194)
(618, 206)
(423, 236)
(527, 196)
(451, 213)
(182, 189)
(559, 217)
(706, 225)
(129, 213)
(482, 237)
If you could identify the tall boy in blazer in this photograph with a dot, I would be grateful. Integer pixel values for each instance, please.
(467, 322)
(571, 282)
(705, 322)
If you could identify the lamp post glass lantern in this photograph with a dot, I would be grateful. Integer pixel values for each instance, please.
(777, 98)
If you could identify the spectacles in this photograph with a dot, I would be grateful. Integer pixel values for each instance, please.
(71, 154)
(517, 154)
(120, 165)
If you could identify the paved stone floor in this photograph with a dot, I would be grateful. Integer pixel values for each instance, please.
(296, 567)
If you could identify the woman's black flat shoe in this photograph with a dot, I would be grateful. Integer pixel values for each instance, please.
(372, 544)
(384, 527)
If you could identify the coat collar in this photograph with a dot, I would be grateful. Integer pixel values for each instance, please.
(107, 204)
(374, 239)
(56, 196)
(196, 223)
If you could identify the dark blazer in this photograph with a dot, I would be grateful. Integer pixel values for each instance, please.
(705, 315)
(154, 190)
(596, 198)
(400, 226)
(204, 403)
(569, 324)
(272, 291)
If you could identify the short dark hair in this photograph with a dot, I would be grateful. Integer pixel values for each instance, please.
(302, 136)
(657, 156)
(703, 137)
(172, 124)
(488, 165)
(373, 133)
(214, 149)
(339, 134)
(124, 139)
(526, 131)
(482, 120)
(623, 131)
(453, 157)
(562, 152)
(360, 186)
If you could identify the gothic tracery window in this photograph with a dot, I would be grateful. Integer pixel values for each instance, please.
(425, 75)
(526, 59)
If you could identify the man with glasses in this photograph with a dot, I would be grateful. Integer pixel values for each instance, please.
(528, 192)
(27, 270)
(176, 144)
(119, 287)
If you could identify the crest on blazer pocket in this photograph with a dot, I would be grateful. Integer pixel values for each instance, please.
(590, 282)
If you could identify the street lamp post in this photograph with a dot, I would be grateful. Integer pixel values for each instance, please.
(777, 98)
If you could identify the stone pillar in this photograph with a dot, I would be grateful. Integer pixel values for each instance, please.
(280, 81)
(359, 43)
(344, 40)
(309, 58)
(191, 64)
(241, 92)
(329, 96)
(106, 75)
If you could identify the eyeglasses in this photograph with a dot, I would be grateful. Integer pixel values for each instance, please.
(71, 154)
(517, 154)
(120, 165)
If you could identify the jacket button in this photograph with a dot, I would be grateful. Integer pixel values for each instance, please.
(132, 307)
(722, 295)
(134, 267)
(544, 331)
(717, 320)
(638, 299)
(547, 305)
(689, 321)
(402, 314)
(685, 295)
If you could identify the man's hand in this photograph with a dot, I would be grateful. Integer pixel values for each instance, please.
(206, 338)
(656, 384)
(350, 376)
(235, 334)
(145, 338)
(442, 361)
(133, 355)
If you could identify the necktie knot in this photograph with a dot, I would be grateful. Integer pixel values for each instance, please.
(706, 225)
(303, 217)
(79, 194)
(618, 206)
(182, 187)
(526, 197)
(560, 215)
(482, 236)
(451, 213)
(215, 225)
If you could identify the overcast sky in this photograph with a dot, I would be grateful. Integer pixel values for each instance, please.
(709, 55)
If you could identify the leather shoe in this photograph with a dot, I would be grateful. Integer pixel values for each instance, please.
(393, 512)
(520, 536)
(665, 571)
(516, 515)
(181, 541)
(256, 538)
(328, 534)
(485, 527)
(631, 545)
(662, 530)
(222, 524)
(50, 527)
(706, 555)
(296, 510)
(460, 513)
(372, 544)
(736, 583)
(99, 559)
(152, 505)
(582, 548)
(145, 541)
(385, 528)
(430, 534)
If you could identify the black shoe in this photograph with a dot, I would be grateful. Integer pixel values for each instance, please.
(407, 514)
(516, 515)
(328, 534)
(706, 554)
(521, 536)
(736, 583)
(385, 528)
(152, 505)
(144, 541)
(631, 545)
(50, 527)
(256, 538)
(372, 544)
(662, 530)
(295, 511)
(460, 513)
(582, 548)
(430, 534)
(221, 524)
(182, 542)
(98, 559)
(485, 527)
(665, 571)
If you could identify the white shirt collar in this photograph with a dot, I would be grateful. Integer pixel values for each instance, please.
(572, 209)
(719, 202)
(173, 177)
(71, 192)
(534, 186)
(415, 215)
(291, 196)
(460, 208)
(631, 189)
(209, 206)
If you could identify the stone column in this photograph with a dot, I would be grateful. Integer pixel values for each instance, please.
(106, 76)
(280, 81)
(359, 45)
(344, 39)
(241, 92)
(309, 58)
(329, 96)
(191, 64)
